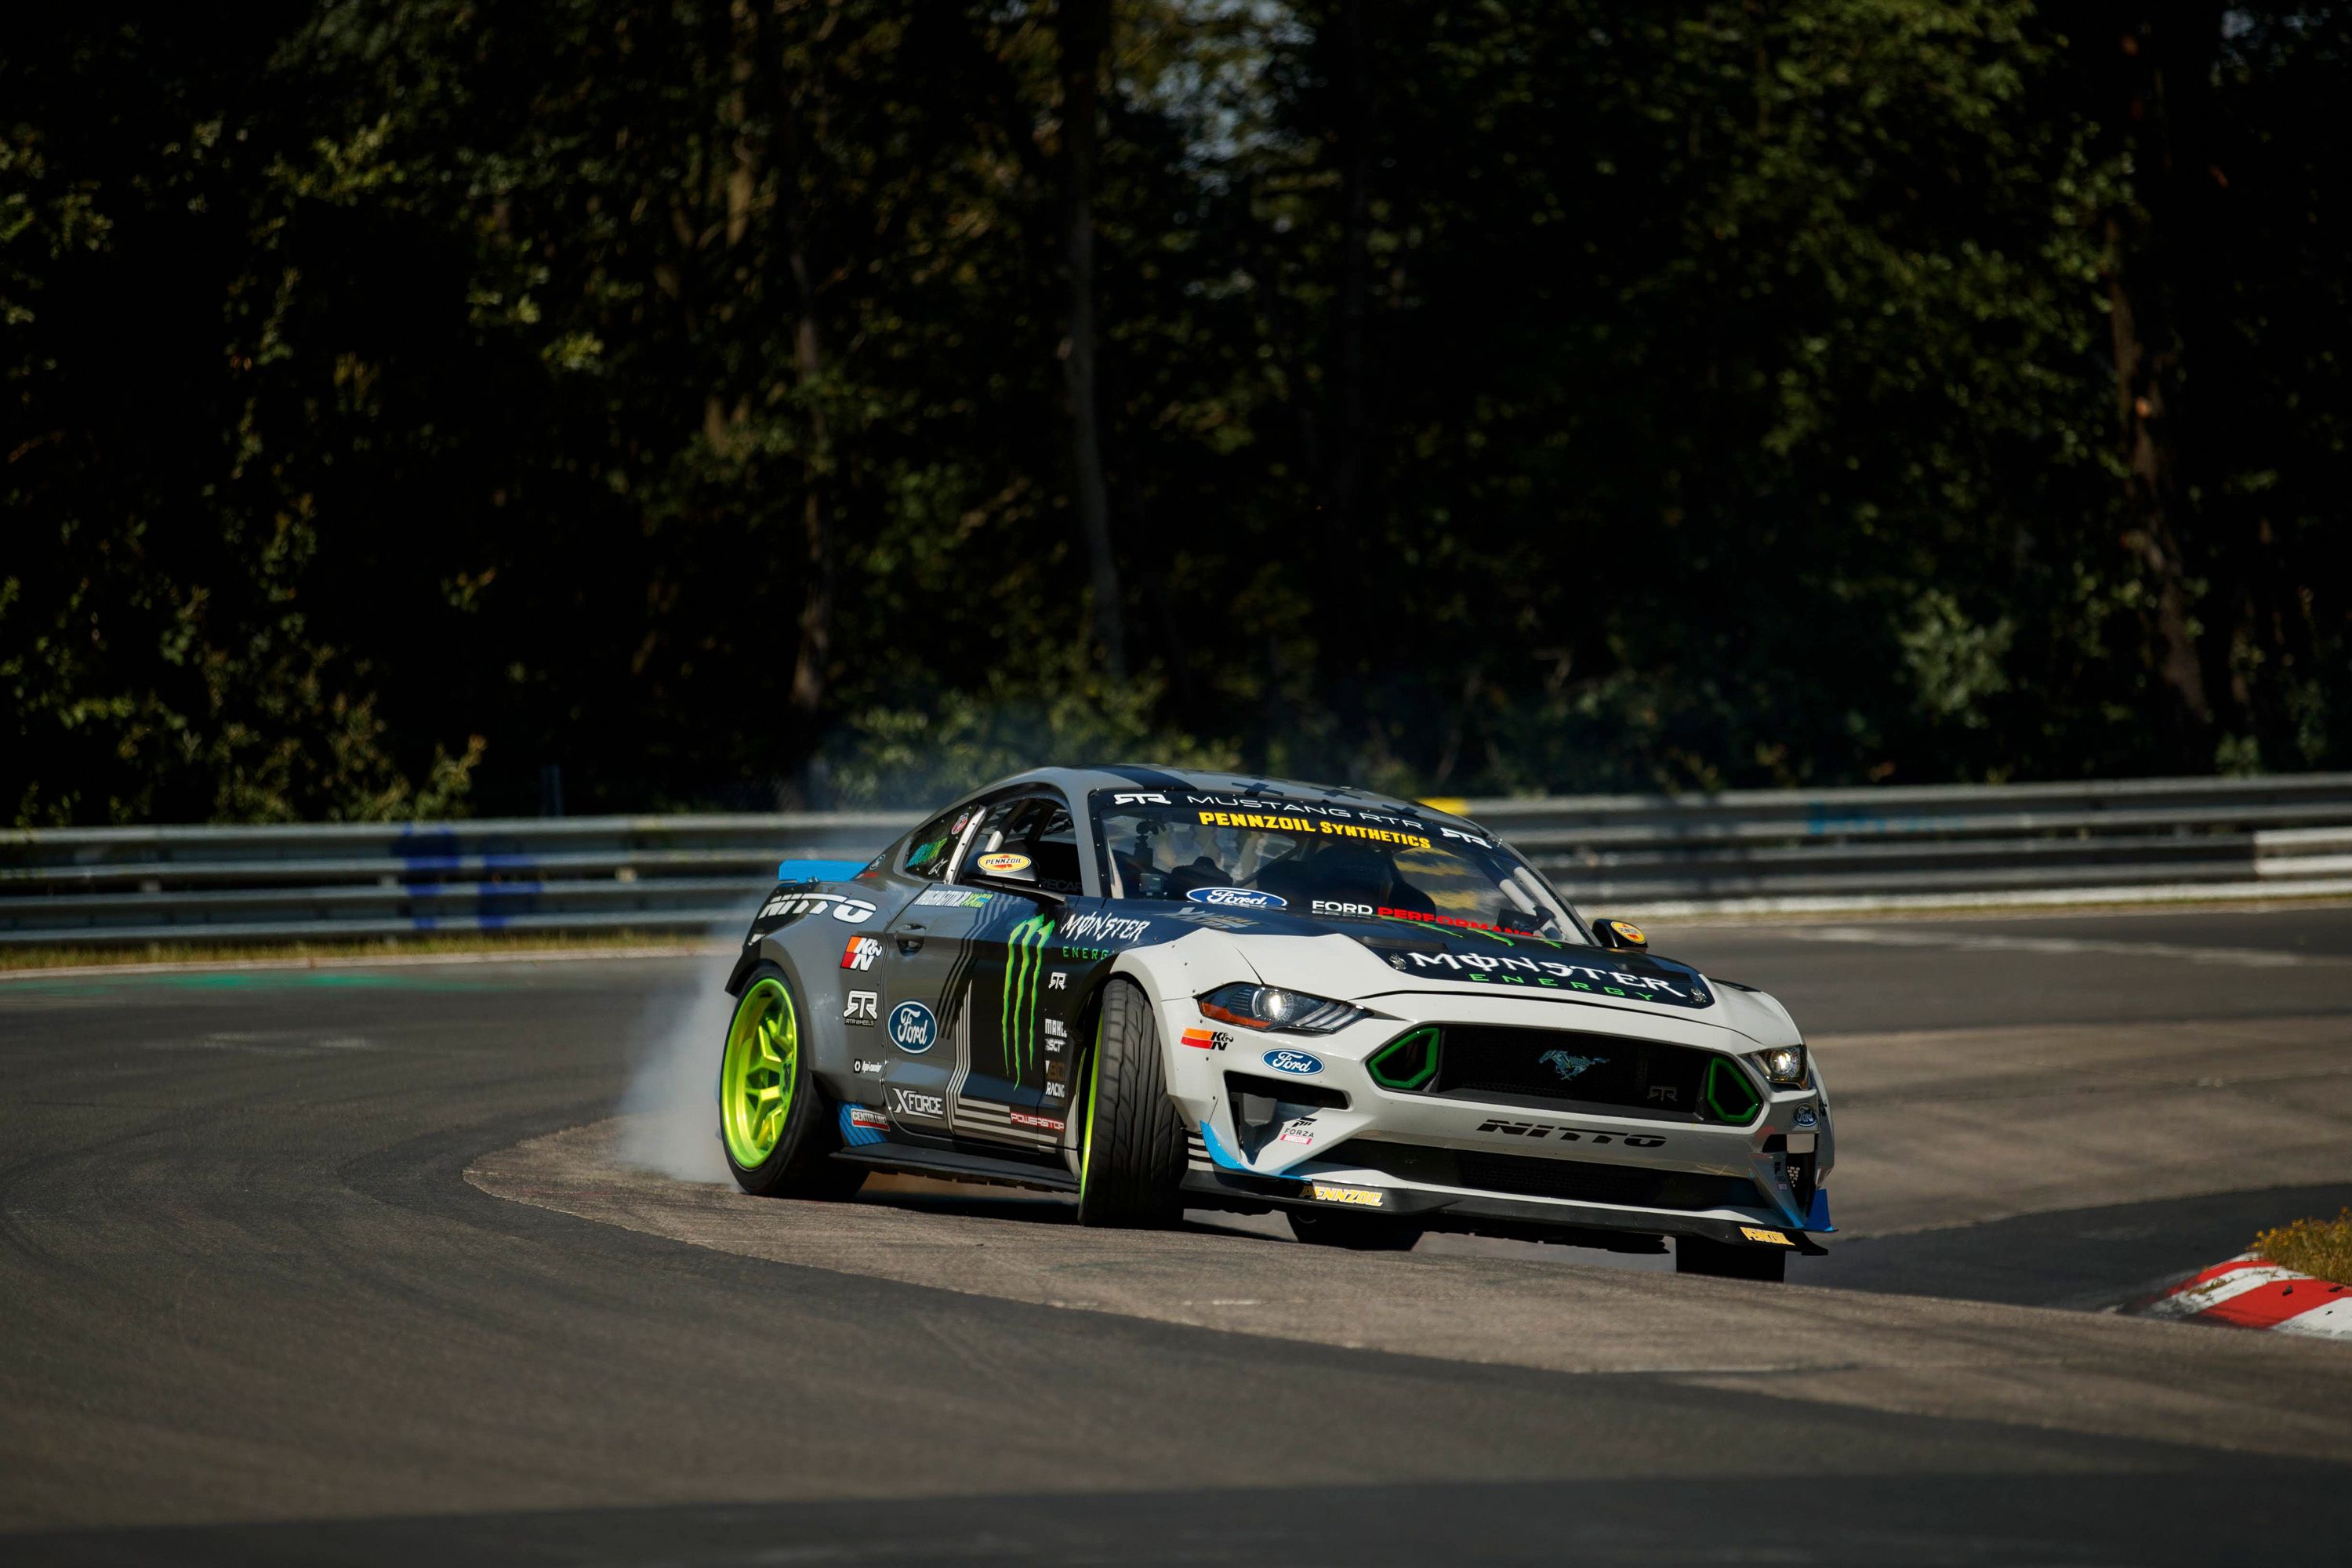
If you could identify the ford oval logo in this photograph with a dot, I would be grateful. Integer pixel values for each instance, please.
(913, 1029)
(1237, 898)
(1297, 1062)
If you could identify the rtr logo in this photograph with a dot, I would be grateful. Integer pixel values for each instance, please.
(862, 1007)
(1138, 800)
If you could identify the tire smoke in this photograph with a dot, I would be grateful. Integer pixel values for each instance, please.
(669, 1111)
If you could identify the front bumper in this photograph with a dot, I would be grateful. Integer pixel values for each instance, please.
(1599, 1225)
(1496, 1162)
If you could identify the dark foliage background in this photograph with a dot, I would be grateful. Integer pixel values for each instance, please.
(820, 401)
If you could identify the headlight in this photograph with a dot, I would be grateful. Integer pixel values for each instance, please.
(1783, 1066)
(1272, 1007)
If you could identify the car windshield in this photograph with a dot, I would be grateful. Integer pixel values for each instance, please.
(1327, 861)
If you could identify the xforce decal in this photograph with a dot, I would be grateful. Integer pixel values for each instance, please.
(1025, 962)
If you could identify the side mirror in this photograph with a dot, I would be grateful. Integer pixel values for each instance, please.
(1620, 936)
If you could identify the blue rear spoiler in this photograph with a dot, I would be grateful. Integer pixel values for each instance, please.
(818, 871)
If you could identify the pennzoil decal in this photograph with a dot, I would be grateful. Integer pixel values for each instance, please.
(1355, 1197)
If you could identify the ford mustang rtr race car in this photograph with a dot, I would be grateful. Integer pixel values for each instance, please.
(1163, 990)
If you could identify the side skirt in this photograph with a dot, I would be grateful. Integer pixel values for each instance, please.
(960, 1165)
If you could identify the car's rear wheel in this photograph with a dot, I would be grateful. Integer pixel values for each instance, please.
(1132, 1150)
(1356, 1232)
(773, 1120)
(1721, 1260)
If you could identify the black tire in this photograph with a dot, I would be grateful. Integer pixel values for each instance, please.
(1723, 1260)
(801, 1164)
(1132, 1146)
(1356, 1232)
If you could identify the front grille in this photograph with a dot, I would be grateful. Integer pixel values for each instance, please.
(1625, 1076)
(1522, 1176)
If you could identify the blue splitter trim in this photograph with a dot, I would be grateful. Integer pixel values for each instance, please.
(1818, 1217)
(1218, 1156)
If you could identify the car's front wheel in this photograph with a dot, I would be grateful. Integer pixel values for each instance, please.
(1131, 1148)
(773, 1116)
(1721, 1260)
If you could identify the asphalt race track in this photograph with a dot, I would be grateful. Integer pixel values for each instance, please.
(348, 1264)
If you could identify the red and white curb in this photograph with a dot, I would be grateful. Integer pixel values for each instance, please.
(2252, 1292)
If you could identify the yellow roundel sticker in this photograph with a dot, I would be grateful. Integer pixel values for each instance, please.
(1629, 931)
(1004, 864)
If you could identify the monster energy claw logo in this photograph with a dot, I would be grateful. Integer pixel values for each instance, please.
(1024, 961)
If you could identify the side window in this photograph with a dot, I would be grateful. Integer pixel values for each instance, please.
(1040, 827)
(1051, 838)
(933, 844)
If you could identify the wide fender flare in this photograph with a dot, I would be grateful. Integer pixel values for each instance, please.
(1171, 974)
(819, 992)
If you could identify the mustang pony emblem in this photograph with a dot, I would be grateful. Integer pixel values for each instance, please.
(1567, 1066)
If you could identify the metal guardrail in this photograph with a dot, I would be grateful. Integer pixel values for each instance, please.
(2125, 841)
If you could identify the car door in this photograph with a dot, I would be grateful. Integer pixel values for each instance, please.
(916, 963)
(1007, 1007)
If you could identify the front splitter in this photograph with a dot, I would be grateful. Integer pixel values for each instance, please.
(1588, 1225)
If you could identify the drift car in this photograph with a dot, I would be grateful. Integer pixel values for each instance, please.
(1162, 989)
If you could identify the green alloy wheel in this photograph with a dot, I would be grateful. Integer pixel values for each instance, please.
(773, 1117)
(762, 1070)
